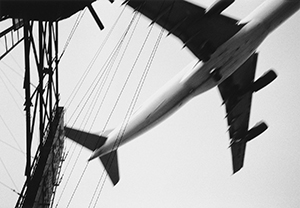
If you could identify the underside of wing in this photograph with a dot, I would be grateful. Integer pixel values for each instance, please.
(237, 96)
(236, 92)
(200, 32)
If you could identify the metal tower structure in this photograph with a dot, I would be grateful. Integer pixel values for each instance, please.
(41, 107)
(45, 98)
(39, 22)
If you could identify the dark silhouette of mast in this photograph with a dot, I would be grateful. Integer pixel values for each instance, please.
(39, 22)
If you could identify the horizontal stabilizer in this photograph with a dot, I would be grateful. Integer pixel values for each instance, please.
(110, 163)
(93, 142)
(88, 140)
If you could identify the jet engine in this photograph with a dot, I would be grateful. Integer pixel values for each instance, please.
(264, 80)
(258, 129)
(218, 7)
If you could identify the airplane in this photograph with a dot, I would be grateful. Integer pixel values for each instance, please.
(226, 52)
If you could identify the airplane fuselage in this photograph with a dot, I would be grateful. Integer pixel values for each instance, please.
(197, 78)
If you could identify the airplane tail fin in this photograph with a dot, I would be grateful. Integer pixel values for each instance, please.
(110, 163)
(92, 142)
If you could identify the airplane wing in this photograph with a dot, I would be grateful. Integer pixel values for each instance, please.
(237, 95)
(201, 31)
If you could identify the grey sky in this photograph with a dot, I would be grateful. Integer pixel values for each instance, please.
(185, 161)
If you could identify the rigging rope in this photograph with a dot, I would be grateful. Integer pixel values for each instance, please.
(12, 147)
(113, 54)
(19, 148)
(109, 67)
(8, 174)
(10, 93)
(133, 102)
(77, 21)
(10, 188)
(81, 176)
(12, 85)
(80, 112)
(16, 72)
(118, 98)
(83, 77)
(87, 118)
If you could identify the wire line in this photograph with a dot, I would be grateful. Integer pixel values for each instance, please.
(19, 148)
(9, 188)
(93, 60)
(119, 96)
(134, 100)
(86, 72)
(77, 21)
(8, 174)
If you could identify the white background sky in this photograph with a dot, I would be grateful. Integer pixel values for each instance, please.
(183, 162)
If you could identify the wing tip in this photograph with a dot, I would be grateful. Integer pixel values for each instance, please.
(236, 169)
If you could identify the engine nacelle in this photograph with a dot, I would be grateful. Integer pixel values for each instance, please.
(218, 7)
(264, 80)
(258, 129)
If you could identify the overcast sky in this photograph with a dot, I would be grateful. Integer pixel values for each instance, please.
(183, 162)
